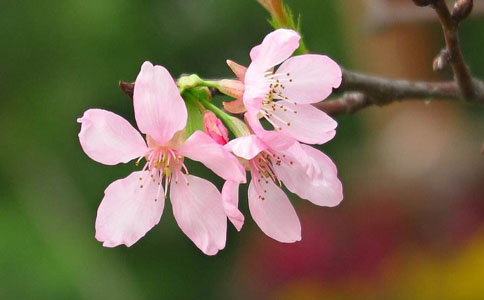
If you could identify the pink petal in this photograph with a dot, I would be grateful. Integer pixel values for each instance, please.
(322, 189)
(256, 88)
(274, 214)
(253, 121)
(312, 76)
(246, 147)
(297, 155)
(276, 140)
(276, 47)
(199, 212)
(200, 147)
(308, 125)
(334, 188)
(108, 138)
(159, 109)
(230, 198)
(128, 211)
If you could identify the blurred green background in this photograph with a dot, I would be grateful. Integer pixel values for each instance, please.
(392, 238)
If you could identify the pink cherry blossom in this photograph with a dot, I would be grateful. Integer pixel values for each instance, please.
(274, 158)
(133, 205)
(283, 97)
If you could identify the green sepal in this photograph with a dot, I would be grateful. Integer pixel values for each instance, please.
(189, 81)
(195, 114)
(200, 93)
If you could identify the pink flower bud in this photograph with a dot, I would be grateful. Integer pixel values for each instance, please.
(232, 88)
(215, 128)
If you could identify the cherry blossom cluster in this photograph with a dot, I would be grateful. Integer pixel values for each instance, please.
(272, 123)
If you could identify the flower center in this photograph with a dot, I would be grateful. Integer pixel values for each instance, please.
(275, 102)
(162, 163)
(262, 170)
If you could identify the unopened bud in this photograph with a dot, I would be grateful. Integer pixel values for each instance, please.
(442, 60)
(215, 128)
(275, 8)
(232, 88)
(238, 70)
(423, 2)
(268, 5)
(462, 9)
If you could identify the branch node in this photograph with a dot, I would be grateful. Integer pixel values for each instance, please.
(449, 27)
(461, 10)
(442, 60)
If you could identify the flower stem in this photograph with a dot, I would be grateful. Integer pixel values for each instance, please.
(236, 126)
(217, 111)
(210, 84)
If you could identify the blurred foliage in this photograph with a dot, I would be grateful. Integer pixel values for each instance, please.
(60, 58)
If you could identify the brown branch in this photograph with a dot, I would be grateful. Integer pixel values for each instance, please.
(347, 104)
(450, 24)
(380, 91)
(384, 90)
(361, 91)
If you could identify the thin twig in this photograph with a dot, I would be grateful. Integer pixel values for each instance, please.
(347, 104)
(384, 14)
(456, 58)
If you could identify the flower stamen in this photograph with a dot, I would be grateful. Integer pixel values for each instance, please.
(162, 163)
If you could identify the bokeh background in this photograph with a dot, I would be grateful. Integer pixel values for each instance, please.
(412, 222)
